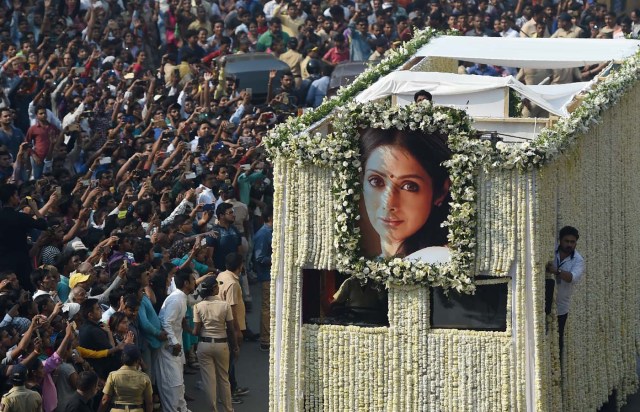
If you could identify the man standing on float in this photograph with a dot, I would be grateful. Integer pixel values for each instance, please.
(568, 268)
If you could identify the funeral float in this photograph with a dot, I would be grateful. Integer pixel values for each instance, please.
(410, 239)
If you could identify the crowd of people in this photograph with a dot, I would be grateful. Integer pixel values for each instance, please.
(136, 195)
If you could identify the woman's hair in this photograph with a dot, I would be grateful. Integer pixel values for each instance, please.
(430, 150)
(115, 320)
(207, 292)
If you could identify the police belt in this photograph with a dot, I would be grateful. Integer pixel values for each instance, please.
(214, 340)
(126, 405)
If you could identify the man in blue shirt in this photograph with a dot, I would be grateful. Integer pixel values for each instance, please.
(262, 264)
(360, 39)
(6, 169)
(228, 239)
(318, 89)
(10, 135)
(482, 70)
(150, 326)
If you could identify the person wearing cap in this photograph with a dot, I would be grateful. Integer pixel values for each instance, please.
(128, 389)
(566, 29)
(19, 398)
(84, 278)
(70, 310)
(215, 329)
(79, 279)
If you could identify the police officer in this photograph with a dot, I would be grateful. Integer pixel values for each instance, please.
(128, 389)
(213, 321)
(19, 398)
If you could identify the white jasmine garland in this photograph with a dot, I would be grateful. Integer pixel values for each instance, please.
(407, 365)
(337, 149)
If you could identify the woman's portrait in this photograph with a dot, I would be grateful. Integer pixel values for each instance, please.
(405, 195)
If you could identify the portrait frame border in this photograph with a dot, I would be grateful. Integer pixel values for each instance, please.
(462, 167)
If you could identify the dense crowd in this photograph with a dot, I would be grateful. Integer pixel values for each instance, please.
(132, 173)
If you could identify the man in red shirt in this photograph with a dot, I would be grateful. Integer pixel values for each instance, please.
(339, 53)
(42, 138)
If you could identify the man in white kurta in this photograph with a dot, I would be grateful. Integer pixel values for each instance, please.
(171, 356)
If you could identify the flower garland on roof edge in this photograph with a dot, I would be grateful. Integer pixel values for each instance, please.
(560, 137)
(340, 152)
(280, 141)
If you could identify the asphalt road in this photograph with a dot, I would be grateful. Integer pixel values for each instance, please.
(252, 370)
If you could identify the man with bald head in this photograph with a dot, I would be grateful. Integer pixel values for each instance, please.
(77, 295)
(84, 279)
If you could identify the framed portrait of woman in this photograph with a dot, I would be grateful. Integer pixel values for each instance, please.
(405, 195)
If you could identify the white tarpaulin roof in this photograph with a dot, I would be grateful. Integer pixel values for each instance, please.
(530, 52)
(553, 98)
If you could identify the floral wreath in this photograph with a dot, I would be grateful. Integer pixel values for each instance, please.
(462, 168)
(340, 152)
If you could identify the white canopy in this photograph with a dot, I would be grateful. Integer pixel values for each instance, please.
(471, 91)
(530, 52)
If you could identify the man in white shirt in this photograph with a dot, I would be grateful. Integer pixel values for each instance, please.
(171, 356)
(506, 26)
(45, 283)
(568, 268)
(204, 131)
(206, 196)
(270, 8)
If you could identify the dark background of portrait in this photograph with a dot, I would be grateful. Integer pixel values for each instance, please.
(370, 246)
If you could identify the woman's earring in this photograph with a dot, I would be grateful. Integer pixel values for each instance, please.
(438, 203)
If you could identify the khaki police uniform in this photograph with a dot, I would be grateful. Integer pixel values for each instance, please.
(127, 387)
(573, 33)
(21, 399)
(231, 292)
(213, 350)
